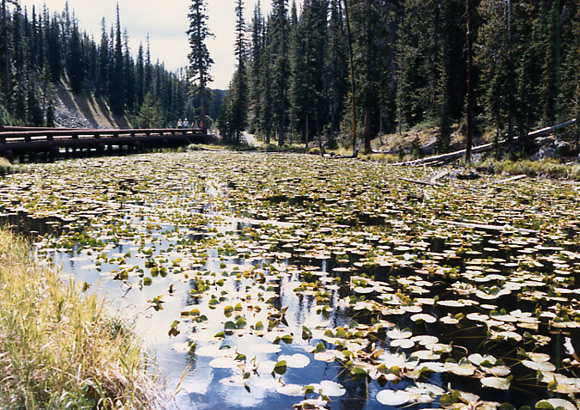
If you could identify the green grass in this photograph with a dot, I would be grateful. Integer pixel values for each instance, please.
(60, 349)
(6, 167)
(549, 168)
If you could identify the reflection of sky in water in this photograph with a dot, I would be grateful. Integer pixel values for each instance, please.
(195, 383)
(204, 387)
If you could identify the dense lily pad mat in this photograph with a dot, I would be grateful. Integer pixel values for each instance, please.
(286, 280)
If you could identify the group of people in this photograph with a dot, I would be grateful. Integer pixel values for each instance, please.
(182, 124)
(185, 124)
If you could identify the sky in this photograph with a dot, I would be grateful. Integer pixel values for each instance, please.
(166, 23)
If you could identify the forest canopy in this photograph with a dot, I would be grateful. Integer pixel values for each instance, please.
(409, 67)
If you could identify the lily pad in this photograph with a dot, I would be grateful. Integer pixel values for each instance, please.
(393, 397)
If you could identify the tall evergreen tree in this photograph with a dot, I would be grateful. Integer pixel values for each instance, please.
(337, 67)
(371, 21)
(239, 90)
(280, 66)
(116, 73)
(308, 68)
(200, 60)
(140, 76)
(75, 61)
(256, 52)
(129, 76)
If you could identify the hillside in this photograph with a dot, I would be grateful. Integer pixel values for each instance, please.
(83, 110)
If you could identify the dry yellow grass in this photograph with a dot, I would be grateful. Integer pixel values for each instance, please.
(61, 349)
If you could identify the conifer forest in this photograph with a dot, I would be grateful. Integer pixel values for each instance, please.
(301, 70)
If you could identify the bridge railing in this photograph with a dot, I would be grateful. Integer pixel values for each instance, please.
(24, 142)
(14, 134)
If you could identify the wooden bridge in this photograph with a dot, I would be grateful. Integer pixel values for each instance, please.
(37, 144)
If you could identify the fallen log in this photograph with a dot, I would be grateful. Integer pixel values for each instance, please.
(483, 148)
(414, 181)
(504, 181)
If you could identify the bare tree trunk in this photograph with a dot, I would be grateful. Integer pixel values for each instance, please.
(367, 129)
(510, 135)
(306, 130)
(6, 59)
(319, 136)
(354, 149)
(469, 138)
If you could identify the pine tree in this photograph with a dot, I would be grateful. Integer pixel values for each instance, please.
(337, 67)
(55, 50)
(372, 47)
(150, 115)
(199, 58)
(280, 66)
(256, 52)
(129, 75)
(238, 96)
(140, 77)
(308, 89)
(116, 73)
(74, 61)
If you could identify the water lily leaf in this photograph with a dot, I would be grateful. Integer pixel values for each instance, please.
(423, 317)
(425, 340)
(223, 363)
(499, 383)
(291, 390)
(461, 369)
(297, 360)
(306, 333)
(539, 366)
(552, 404)
(393, 359)
(398, 334)
(430, 388)
(241, 323)
(280, 367)
(480, 360)
(330, 388)
(327, 356)
(403, 343)
(174, 331)
(499, 371)
(538, 357)
(393, 397)
(229, 325)
(427, 355)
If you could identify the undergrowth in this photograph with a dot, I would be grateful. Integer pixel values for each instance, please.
(60, 349)
(549, 168)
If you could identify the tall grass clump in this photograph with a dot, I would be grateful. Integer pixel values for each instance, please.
(6, 167)
(60, 349)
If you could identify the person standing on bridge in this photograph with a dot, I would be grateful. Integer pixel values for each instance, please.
(179, 123)
(186, 123)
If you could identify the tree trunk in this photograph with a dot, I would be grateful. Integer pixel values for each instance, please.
(306, 132)
(468, 139)
(6, 55)
(510, 135)
(319, 136)
(368, 131)
(354, 149)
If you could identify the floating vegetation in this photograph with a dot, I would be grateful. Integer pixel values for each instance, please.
(297, 280)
